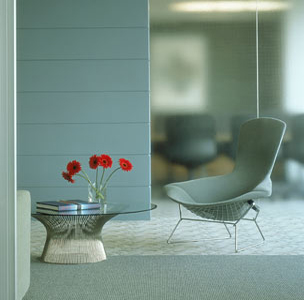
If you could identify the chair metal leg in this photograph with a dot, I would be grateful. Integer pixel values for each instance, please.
(260, 231)
(258, 227)
(235, 238)
(228, 230)
(250, 246)
(168, 241)
(253, 206)
(199, 220)
(207, 239)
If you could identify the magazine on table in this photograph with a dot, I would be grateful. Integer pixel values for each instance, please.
(68, 212)
(66, 205)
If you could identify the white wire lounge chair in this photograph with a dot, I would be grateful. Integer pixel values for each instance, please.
(228, 198)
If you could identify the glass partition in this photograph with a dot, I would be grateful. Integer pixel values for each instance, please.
(281, 93)
(203, 70)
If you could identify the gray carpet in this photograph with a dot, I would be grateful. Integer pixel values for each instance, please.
(171, 277)
(280, 221)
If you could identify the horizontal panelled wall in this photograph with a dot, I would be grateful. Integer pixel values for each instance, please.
(83, 89)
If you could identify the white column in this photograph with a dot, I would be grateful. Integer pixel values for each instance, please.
(7, 150)
(294, 60)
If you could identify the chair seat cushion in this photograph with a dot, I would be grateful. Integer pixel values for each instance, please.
(218, 189)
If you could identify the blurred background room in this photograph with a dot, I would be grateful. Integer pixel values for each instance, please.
(204, 86)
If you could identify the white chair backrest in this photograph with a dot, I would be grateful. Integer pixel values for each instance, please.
(258, 146)
(259, 143)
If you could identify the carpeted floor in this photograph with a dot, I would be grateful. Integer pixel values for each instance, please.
(280, 221)
(171, 277)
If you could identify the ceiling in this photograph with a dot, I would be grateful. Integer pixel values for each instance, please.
(161, 11)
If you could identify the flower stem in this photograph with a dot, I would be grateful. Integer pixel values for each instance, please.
(100, 184)
(86, 177)
(96, 181)
(88, 180)
(106, 183)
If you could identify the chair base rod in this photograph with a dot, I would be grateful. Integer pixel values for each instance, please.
(250, 246)
(225, 224)
(207, 239)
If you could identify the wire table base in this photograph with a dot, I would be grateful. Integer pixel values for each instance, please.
(73, 239)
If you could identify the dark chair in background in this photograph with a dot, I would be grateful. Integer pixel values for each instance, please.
(190, 141)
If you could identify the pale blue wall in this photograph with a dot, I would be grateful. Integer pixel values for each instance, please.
(83, 88)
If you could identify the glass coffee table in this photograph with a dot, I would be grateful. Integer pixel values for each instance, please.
(75, 237)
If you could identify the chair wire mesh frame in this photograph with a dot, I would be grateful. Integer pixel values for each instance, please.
(234, 224)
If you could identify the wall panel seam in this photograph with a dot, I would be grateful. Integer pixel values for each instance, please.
(86, 59)
(77, 92)
(90, 27)
(80, 187)
(82, 123)
(80, 155)
(106, 91)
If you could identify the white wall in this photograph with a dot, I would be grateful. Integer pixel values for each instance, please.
(294, 61)
(83, 89)
(7, 152)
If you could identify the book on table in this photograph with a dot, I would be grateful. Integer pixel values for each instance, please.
(67, 212)
(65, 205)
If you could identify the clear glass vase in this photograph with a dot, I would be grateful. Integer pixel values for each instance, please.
(93, 197)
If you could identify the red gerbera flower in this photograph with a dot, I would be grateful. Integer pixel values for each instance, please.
(94, 162)
(73, 167)
(68, 177)
(105, 161)
(125, 164)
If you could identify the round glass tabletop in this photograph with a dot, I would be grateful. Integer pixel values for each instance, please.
(109, 209)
